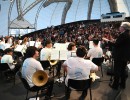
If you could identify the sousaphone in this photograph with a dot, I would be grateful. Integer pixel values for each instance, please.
(40, 78)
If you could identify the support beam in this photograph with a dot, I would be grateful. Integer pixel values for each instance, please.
(29, 8)
(90, 5)
(113, 5)
(66, 8)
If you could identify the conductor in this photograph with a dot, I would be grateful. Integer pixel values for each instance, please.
(121, 54)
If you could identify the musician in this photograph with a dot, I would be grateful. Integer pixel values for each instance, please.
(46, 51)
(15, 44)
(121, 54)
(2, 44)
(71, 50)
(7, 58)
(24, 44)
(30, 66)
(78, 68)
(96, 51)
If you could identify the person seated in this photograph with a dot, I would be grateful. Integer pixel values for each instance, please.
(45, 54)
(8, 58)
(30, 66)
(71, 50)
(96, 51)
(78, 68)
(46, 51)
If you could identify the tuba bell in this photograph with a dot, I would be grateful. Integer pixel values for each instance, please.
(52, 62)
(40, 78)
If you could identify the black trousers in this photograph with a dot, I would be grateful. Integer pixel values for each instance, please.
(120, 74)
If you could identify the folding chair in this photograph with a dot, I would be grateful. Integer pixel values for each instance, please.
(98, 62)
(27, 87)
(79, 85)
(4, 68)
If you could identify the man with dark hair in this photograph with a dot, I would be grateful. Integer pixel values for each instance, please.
(78, 68)
(96, 51)
(30, 66)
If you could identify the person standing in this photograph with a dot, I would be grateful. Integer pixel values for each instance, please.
(121, 55)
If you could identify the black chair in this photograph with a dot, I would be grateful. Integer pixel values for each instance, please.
(79, 85)
(18, 54)
(1, 52)
(45, 64)
(27, 87)
(98, 62)
(4, 68)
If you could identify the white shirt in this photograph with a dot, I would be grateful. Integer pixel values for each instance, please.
(30, 66)
(78, 68)
(9, 60)
(95, 52)
(45, 54)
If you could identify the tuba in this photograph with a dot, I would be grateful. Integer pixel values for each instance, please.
(52, 62)
(40, 78)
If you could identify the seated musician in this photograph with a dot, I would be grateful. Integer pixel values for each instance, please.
(46, 53)
(78, 68)
(96, 51)
(71, 50)
(15, 44)
(7, 58)
(30, 66)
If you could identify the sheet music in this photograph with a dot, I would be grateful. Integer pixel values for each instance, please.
(37, 44)
(63, 54)
(19, 48)
(31, 43)
(60, 46)
(58, 54)
(7, 45)
(55, 54)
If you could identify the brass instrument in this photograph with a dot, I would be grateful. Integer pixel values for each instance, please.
(40, 78)
(93, 76)
(52, 62)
